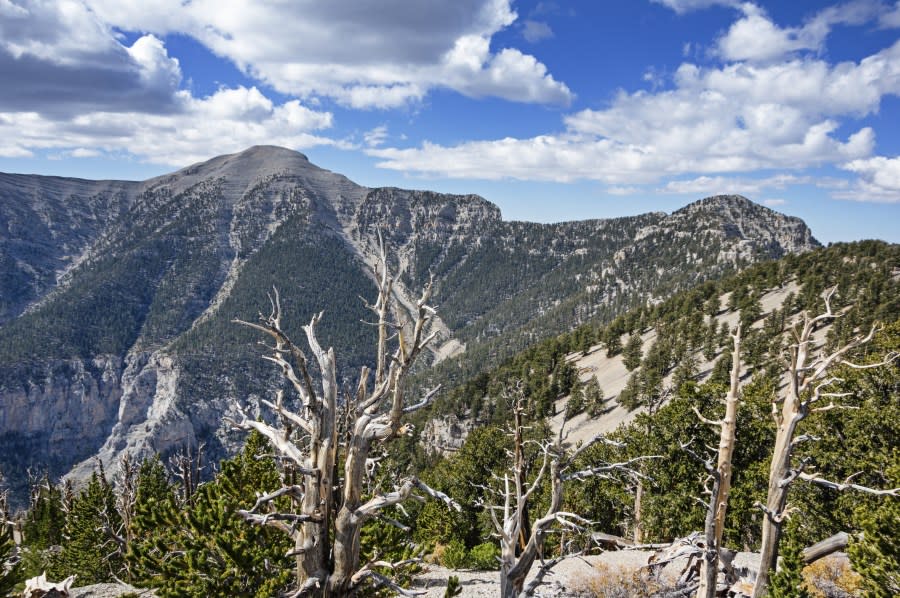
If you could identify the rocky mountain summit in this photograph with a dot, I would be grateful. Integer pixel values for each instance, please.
(116, 298)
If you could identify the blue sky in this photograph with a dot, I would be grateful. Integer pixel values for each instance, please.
(552, 110)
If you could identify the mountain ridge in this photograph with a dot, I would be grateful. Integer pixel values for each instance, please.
(132, 336)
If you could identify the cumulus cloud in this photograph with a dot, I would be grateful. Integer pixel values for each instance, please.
(756, 38)
(879, 180)
(80, 91)
(716, 120)
(891, 18)
(64, 60)
(376, 136)
(227, 121)
(362, 54)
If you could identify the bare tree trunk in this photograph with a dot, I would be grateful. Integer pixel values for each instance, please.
(718, 504)
(709, 564)
(329, 565)
(827, 546)
(515, 565)
(809, 379)
(776, 501)
(638, 498)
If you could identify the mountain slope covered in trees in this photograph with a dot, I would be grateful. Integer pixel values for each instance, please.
(117, 297)
(211, 553)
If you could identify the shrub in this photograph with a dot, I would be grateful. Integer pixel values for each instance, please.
(485, 557)
(455, 555)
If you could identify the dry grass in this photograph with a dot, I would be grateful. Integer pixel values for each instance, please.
(605, 581)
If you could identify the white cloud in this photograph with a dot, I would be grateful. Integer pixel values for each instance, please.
(64, 60)
(774, 202)
(756, 38)
(683, 6)
(83, 152)
(229, 120)
(879, 180)
(732, 119)
(622, 191)
(891, 18)
(376, 136)
(79, 92)
(535, 31)
(720, 185)
(364, 55)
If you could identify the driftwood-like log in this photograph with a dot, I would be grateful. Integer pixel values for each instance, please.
(827, 546)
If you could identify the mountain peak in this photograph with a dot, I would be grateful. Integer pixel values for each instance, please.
(719, 202)
(735, 216)
(258, 158)
(270, 152)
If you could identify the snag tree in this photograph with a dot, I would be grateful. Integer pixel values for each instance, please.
(324, 434)
(809, 385)
(522, 542)
(721, 477)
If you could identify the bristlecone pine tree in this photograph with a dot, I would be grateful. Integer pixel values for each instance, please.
(327, 511)
(521, 541)
(721, 476)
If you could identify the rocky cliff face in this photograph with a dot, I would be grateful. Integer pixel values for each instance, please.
(115, 318)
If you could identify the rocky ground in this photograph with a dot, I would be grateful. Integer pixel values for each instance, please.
(616, 573)
(110, 590)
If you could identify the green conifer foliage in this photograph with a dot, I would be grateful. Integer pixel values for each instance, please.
(876, 556)
(593, 397)
(90, 547)
(787, 582)
(204, 548)
(43, 527)
(453, 587)
(10, 574)
(631, 354)
(45, 520)
(575, 404)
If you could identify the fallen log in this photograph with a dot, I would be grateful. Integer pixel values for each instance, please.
(827, 546)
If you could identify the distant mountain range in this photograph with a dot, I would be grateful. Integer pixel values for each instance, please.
(116, 298)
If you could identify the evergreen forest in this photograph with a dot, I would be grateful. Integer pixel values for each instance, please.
(174, 525)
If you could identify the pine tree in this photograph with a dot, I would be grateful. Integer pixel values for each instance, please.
(787, 582)
(876, 557)
(575, 404)
(612, 338)
(92, 534)
(45, 520)
(203, 548)
(10, 574)
(630, 397)
(593, 397)
(453, 587)
(43, 527)
(631, 354)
